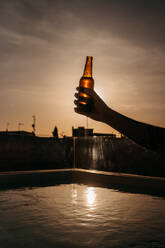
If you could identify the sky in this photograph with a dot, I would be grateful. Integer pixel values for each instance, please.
(43, 47)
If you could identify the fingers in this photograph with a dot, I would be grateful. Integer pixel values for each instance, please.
(76, 95)
(79, 111)
(86, 100)
(86, 90)
(75, 102)
(76, 110)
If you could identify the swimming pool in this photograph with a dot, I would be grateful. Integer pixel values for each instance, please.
(74, 215)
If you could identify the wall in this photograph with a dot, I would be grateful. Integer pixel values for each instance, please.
(119, 155)
(25, 152)
(100, 153)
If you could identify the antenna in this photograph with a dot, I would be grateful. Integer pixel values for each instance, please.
(7, 125)
(34, 124)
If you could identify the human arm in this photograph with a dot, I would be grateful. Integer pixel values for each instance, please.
(149, 136)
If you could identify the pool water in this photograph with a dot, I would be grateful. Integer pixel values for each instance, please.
(74, 215)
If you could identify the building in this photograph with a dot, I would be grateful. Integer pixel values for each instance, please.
(13, 133)
(82, 132)
(88, 132)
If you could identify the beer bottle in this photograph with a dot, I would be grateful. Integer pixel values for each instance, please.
(86, 81)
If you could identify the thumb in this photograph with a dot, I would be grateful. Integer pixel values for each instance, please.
(88, 91)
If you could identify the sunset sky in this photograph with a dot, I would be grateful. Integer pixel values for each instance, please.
(43, 46)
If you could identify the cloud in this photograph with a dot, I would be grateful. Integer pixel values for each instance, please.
(141, 23)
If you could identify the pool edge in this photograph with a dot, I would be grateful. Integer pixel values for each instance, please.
(120, 181)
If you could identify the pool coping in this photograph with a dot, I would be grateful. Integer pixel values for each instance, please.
(120, 181)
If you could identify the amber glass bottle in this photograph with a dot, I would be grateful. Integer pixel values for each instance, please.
(86, 81)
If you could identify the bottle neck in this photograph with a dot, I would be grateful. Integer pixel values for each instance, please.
(88, 67)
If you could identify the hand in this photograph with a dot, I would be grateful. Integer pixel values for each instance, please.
(98, 109)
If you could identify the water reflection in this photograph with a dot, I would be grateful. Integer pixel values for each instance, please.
(91, 196)
(74, 193)
(80, 216)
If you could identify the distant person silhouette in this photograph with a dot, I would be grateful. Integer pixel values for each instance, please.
(149, 136)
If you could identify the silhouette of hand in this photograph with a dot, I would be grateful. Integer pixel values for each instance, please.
(98, 109)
